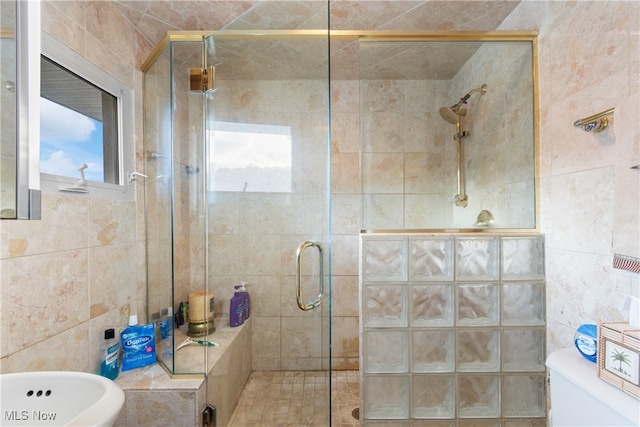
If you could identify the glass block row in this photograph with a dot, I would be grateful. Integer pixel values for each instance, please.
(448, 304)
(463, 350)
(451, 396)
(448, 258)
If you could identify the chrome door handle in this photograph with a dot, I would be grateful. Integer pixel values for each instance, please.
(304, 306)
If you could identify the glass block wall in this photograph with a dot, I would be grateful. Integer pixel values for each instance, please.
(452, 330)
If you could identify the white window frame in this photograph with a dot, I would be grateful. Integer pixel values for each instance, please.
(67, 58)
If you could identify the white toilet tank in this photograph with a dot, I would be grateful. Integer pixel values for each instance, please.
(579, 398)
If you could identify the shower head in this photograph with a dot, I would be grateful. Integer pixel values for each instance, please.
(452, 114)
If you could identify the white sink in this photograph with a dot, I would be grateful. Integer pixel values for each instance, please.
(59, 398)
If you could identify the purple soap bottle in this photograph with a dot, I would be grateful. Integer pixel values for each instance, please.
(236, 308)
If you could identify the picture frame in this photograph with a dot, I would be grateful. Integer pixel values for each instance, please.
(622, 361)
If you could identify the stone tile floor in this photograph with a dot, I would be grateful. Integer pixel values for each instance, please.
(298, 399)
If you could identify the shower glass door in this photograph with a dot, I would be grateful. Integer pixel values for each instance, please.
(268, 207)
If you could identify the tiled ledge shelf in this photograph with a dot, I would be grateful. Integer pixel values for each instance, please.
(153, 397)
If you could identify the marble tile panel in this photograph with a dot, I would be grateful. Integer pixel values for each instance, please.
(577, 295)
(303, 213)
(565, 64)
(302, 337)
(346, 213)
(65, 351)
(348, 15)
(62, 27)
(383, 211)
(4, 239)
(345, 173)
(382, 132)
(225, 254)
(265, 259)
(52, 232)
(345, 137)
(267, 338)
(345, 296)
(265, 294)
(422, 173)
(445, 16)
(108, 61)
(344, 255)
(424, 211)
(261, 213)
(345, 342)
(344, 96)
(305, 95)
(47, 294)
(110, 27)
(588, 229)
(383, 173)
(109, 287)
(224, 213)
(154, 408)
(381, 96)
(111, 222)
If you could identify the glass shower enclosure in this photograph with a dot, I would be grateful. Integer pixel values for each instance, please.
(237, 187)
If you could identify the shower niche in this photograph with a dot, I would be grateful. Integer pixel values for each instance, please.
(433, 158)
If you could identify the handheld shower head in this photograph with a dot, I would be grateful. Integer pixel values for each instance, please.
(452, 114)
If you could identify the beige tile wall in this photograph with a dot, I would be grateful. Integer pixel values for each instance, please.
(499, 164)
(589, 62)
(80, 269)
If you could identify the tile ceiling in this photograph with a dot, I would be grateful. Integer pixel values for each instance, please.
(292, 59)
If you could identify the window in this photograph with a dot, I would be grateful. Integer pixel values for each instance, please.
(250, 157)
(85, 125)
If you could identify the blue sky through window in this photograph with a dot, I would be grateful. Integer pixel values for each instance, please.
(67, 140)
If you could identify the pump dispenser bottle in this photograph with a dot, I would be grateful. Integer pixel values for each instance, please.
(166, 332)
(246, 310)
(109, 355)
(236, 308)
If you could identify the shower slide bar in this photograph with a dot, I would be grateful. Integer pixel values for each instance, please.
(301, 248)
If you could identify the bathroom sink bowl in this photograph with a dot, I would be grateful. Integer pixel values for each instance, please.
(59, 398)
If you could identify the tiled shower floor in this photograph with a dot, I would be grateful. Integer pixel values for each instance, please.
(297, 399)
